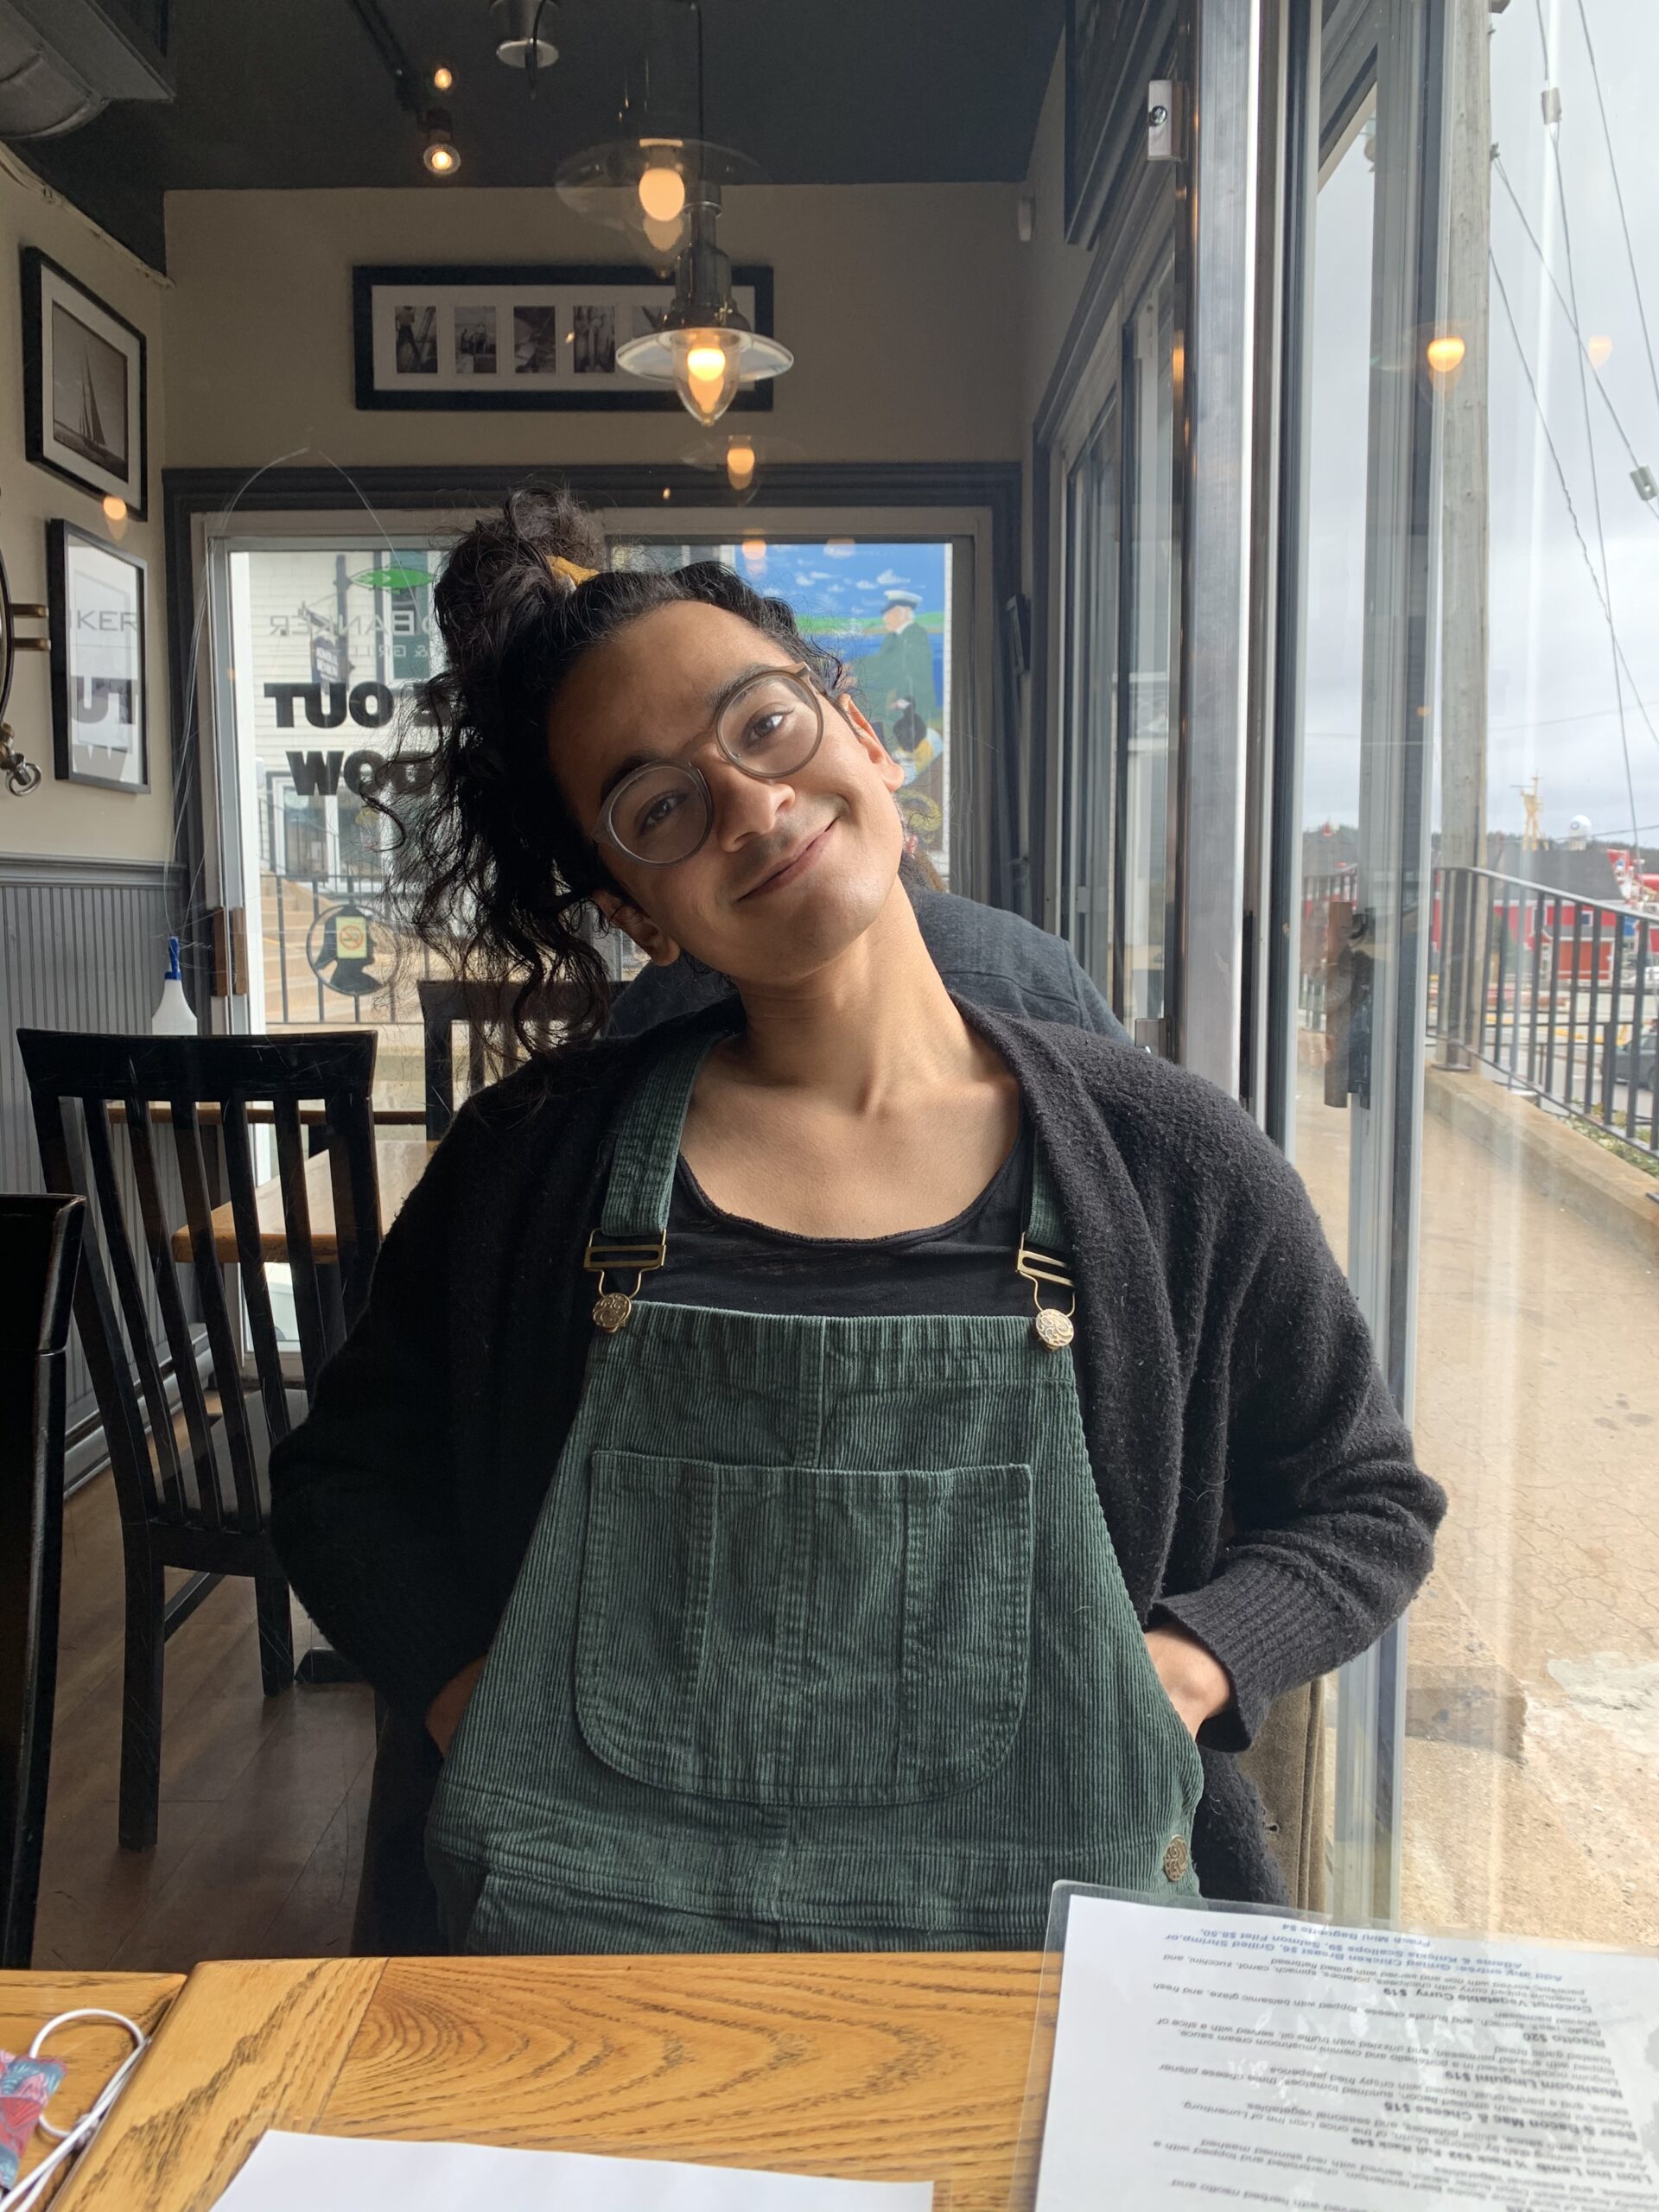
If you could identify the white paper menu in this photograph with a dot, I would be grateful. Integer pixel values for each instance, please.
(1218, 2060)
(338, 2173)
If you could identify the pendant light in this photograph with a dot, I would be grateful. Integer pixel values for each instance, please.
(518, 40)
(702, 344)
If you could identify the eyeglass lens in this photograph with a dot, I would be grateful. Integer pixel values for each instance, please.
(769, 728)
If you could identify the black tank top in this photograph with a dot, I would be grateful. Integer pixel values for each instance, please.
(963, 1266)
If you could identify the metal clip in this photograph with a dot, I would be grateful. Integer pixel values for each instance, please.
(635, 1256)
(1054, 1329)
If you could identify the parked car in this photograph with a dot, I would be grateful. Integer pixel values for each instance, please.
(1636, 1063)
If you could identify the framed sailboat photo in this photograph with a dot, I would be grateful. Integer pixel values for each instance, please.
(84, 399)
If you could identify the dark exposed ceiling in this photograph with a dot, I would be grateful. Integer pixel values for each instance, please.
(293, 93)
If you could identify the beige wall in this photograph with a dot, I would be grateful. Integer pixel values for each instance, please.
(66, 819)
(894, 298)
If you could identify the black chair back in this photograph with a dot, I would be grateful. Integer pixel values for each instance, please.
(40, 1246)
(182, 1102)
(485, 1011)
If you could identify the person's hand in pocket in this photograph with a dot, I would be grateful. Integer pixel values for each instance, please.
(444, 1714)
(1194, 1680)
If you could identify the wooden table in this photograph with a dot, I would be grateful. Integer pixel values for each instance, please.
(90, 2050)
(399, 1163)
(885, 2067)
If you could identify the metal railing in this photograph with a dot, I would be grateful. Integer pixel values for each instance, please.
(292, 908)
(1557, 992)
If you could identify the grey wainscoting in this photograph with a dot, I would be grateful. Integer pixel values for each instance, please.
(83, 945)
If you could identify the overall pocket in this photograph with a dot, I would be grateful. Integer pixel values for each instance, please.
(803, 1636)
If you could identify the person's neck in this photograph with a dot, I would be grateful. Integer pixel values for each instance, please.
(874, 1022)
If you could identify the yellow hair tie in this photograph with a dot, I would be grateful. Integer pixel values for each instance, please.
(571, 569)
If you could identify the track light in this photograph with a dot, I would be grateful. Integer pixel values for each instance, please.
(441, 154)
(443, 78)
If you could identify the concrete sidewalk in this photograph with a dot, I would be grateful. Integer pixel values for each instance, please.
(1532, 1763)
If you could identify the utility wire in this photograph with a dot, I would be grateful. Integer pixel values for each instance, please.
(1566, 495)
(1618, 194)
(1607, 397)
(1553, 132)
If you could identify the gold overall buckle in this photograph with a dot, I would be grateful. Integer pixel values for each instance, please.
(1054, 1329)
(631, 1256)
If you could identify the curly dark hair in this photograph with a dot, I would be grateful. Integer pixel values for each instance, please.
(492, 869)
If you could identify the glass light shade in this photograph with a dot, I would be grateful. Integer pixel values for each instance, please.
(608, 184)
(706, 371)
(676, 357)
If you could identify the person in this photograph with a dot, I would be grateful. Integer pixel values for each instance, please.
(828, 1467)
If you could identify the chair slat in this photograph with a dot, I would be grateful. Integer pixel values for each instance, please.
(355, 1181)
(100, 1338)
(256, 1285)
(243, 1507)
(308, 1308)
(134, 1311)
(159, 1243)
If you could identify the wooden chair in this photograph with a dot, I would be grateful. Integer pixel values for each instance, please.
(192, 1485)
(485, 1011)
(40, 1248)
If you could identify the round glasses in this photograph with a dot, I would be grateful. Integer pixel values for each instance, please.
(769, 726)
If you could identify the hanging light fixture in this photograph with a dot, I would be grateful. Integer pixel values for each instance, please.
(518, 40)
(639, 181)
(702, 344)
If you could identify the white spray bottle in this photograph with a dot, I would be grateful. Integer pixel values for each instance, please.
(172, 1017)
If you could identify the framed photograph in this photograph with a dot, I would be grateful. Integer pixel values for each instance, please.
(95, 597)
(85, 412)
(521, 335)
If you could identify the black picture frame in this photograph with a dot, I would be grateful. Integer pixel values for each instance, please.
(626, 396)
(63, 611)
(46, 284)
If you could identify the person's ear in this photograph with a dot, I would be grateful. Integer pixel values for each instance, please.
(661, 950)
(883, 762)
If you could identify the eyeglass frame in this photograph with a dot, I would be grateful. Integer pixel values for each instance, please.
(605, 828)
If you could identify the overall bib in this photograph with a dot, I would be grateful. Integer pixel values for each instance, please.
(820, 1643)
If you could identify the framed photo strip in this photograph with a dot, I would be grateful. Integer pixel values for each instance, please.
(521, 336)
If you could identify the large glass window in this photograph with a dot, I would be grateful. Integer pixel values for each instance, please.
(1115, 487)
(1478, 969)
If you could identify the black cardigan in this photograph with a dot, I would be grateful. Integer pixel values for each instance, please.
(1256, 1479)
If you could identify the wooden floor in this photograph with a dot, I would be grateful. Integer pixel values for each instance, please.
(264, 1800)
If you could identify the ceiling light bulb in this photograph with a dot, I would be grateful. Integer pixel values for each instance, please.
(1598, 349)
(664, 238)
(662, 192)
(703, 363)
(739, 465)
(442, 78)
(441, 155)
(754, 552)
(1445, 354)
(114, 508)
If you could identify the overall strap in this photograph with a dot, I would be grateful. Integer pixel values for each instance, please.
(641, 1185)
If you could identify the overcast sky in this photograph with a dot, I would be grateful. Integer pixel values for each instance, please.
(1552, 702)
